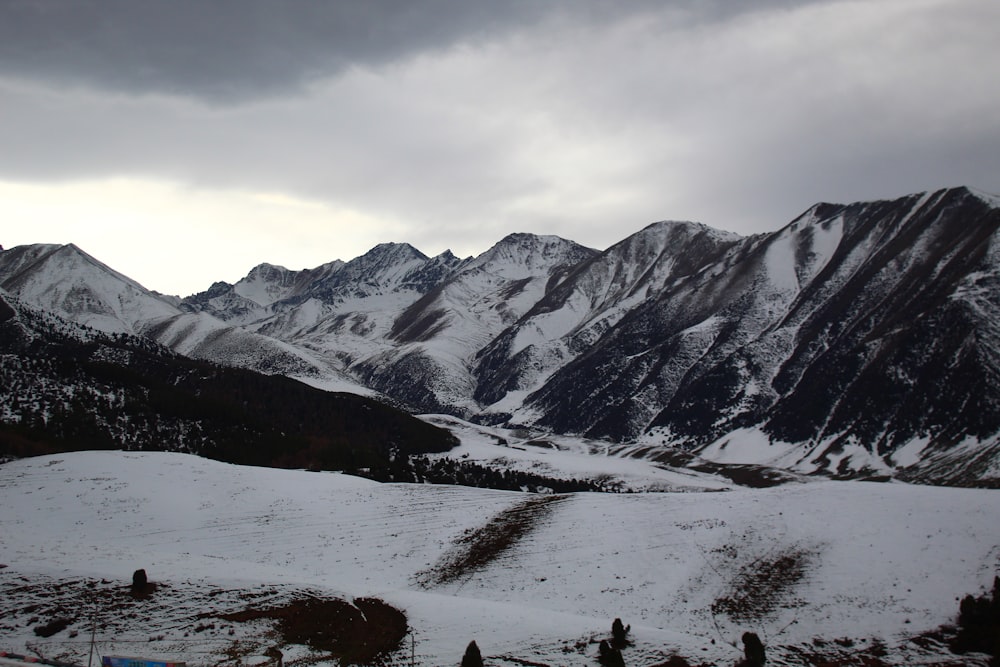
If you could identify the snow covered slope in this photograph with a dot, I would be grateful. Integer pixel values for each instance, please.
(825, 568)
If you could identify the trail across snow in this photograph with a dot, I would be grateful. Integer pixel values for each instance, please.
(878, 561)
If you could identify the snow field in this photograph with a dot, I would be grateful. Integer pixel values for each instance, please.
(878, 560)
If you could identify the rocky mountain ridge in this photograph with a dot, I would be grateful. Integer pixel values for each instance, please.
(856, 340)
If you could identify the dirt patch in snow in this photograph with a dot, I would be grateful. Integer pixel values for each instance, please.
(765, 585)
(362, 633)
(478, 548)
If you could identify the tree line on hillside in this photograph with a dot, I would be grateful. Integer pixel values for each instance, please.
(65, 392)
(421, 469)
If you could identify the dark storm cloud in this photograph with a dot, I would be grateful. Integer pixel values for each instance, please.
(452, 123)
(229, 50)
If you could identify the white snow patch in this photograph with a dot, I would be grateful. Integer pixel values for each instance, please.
(988, 197)
(779, 263)
(910, 453)
(747, 446)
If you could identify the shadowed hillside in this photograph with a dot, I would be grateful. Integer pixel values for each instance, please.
(70, 388)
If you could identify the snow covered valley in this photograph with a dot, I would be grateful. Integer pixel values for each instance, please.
(821, 568)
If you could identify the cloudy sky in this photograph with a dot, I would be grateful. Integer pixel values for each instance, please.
(184, 142)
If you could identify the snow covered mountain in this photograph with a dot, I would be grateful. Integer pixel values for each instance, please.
(573, 316)
(72, 284)
(858, 339)
(435, 340)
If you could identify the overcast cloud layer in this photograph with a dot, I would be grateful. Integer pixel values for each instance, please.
(233, 133)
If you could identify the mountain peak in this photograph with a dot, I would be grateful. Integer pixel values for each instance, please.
(398, 251)
(447, 257)
(526, 239)
(532, 252)
(689, 229)
(988, 197)
(67, 281)
(265, 268)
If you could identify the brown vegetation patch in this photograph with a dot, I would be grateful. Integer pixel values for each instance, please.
(478, 548)
(763, 586)
(143, 592)
(362, 634)
(52, 627)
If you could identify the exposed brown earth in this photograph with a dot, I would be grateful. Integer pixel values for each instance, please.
(478, 548)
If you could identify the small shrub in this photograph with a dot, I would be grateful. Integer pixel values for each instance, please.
(472, 657)
(608, 655)
(141, 588)
(52, 627)
(619, 634)
(753, 651)
(979, 625)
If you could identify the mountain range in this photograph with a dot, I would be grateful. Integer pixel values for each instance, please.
(857, 340)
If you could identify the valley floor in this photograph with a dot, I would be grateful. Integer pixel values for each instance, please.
(845, 568)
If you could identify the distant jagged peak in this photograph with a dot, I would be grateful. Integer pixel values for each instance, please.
(528, 240)
(440, 266)
(533, 252)
(988, 197)
(318, 273)
(671, 238)
(825, 209)
(14, 260)
(675, 246)
(446, 257)
(961, 192)
(327, 267)
(925, 210)
(687, 228)
(218, 288)
(385, 264)
(276, 273)
(266, 271)
(57, 262)
(386, 268)
(67, 281)
(74, 251)
(265, 284)
(389, 252)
